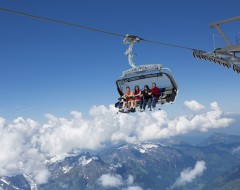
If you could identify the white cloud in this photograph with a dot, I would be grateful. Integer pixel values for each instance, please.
(42, 176)
(188, 175)
(133, 188)
(18, 150)
(130, 180)
(26, 144)
(158, 125)
(193, 105)
(60, 135)
(110, 180)
(236, 150)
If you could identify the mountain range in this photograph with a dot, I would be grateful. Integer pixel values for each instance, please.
(154, 165)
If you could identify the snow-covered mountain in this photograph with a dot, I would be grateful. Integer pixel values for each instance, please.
(150, 165)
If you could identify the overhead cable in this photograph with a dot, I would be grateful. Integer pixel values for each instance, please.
(89, 28)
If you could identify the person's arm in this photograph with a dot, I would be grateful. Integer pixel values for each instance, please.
(124, 97)
(139, 93)
(130, 95)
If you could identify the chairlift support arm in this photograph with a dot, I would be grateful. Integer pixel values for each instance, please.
(217, 26)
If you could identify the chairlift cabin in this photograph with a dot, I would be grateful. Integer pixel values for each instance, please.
(146, 75)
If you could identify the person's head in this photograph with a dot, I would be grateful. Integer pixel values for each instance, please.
(153, 84)
(136, 88)
(146, 87)
(128, 89)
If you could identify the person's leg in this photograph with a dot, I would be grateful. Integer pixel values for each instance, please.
(123, 106)
(149, 103)
(154, 102)
(144, 103)
(134, 104)
(129, 105)
(141, 104)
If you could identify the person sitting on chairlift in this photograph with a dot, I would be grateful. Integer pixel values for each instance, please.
(155, 95)
(147, 98)
(128, 100)
(138, 97)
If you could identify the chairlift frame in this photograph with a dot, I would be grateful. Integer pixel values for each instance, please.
(136, 74)
(226, 56)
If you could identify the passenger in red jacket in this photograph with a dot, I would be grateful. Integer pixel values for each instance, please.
(155, 95)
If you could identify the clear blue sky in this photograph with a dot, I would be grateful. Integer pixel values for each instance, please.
(52, 68)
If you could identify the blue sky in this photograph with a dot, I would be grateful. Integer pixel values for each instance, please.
(51, 68)
(58, 83)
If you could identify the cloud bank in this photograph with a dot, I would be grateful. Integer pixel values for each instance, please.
(19, 151)
(26, 144)
(188, 175)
